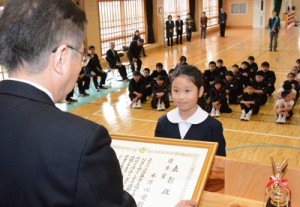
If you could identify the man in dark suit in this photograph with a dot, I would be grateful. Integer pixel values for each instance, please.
(114, 61)
(49, 157)
(179, 26)
(222, 19)
(134, 52)
(94, 68)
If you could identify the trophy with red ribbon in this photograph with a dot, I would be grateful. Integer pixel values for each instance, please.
(277, 190)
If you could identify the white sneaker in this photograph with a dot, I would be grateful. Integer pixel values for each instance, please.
(139, 104)
(158, 107)
(163, 106)
(213, 112)
(134, 105)
(247, 117)
(279, 118)
(243, 115)
(217, 112)
(283, 120)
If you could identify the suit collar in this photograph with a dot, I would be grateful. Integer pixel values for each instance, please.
(24, 90)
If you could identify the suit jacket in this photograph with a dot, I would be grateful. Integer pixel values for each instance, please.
(179, 24)
(112, 58)
(210, 130)
(53, 158)
(134, 50)
(170, 28)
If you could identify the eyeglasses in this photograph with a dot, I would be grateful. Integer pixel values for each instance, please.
(85, 57)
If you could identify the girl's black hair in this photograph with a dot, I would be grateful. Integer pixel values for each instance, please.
(191, 72)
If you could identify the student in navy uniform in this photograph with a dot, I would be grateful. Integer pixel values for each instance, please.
(249, 103)
(218, 100)
(261, 88)
(83, 82)
(149, 82)
(245, 73)
(95, 69)
(160, 100)
(136, 89)
(170, 30)
(238, 78)
(179, 27)
(114, 61)
(231, 88)
(221, 69)
(253, 67)
(159, 71)
(188, 120)
(182, 61)
(295, 84)
(211, 74)
(269, 77)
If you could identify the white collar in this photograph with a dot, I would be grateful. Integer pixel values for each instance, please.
(42, 88)
(199, 116)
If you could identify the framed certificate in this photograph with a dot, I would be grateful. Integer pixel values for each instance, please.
(161, 171)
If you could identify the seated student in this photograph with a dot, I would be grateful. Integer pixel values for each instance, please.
(93, 67)
(149, 82)
(238, 79)
(159, 71)
(211, 74)
(287, 87)
(269, 77)
(160, 100)
(171, 71)
(218, 99)
(298, 65)
(245, 73)
(83, 81)
(249, 103)
(293, 82)
(232, 88)
(114, 61)
(136, 89)
(296, 73)
(221, 69)
(261, 88)
(182, 61)
(284, 107)
(253, 67)
(188, 121)
(133, 54)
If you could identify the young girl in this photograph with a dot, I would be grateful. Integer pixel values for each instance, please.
(188, 120)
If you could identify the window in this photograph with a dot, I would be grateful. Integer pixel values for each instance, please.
(118, 21)
(238, 8)
(212, 13)
(175, 8)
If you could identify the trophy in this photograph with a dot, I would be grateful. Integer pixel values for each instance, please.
(277, 190)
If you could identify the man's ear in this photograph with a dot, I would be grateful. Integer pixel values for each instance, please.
(201, 91)
(59, 59)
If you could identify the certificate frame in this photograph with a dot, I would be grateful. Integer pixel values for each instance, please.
(211, 148)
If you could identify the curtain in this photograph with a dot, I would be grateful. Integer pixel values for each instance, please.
(149, 11)
(277, 6)
(192, 12)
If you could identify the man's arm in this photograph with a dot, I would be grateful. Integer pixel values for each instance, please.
(99, 180)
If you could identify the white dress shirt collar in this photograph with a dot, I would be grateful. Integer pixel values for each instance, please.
(199, 116)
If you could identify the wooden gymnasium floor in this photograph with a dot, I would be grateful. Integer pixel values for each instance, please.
(254, 140)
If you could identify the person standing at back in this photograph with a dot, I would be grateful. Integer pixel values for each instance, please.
(203, 25)
(222, 22)
(179, 26)
(170, 30)
(189, 22)
(274, 25)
